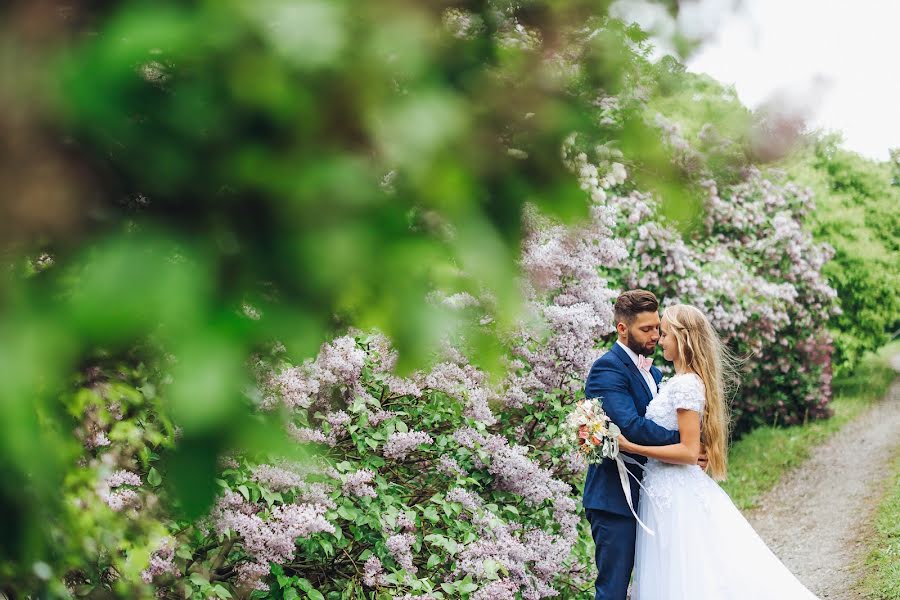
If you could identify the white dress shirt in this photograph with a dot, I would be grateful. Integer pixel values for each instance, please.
(651, 383)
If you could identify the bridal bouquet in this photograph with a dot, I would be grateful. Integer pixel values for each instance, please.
(597, 436)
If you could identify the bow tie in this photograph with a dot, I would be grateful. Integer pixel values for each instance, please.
(644, 362)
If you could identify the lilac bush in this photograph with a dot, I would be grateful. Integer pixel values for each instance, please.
(757, 273)
(451, 481)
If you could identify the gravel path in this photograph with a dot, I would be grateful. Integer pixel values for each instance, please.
(816, 519)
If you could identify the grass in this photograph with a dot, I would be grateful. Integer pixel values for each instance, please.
(760, 459)
(882, 578)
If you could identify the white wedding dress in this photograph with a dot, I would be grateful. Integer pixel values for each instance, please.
(703, 548)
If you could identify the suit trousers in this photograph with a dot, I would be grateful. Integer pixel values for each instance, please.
(614, 537)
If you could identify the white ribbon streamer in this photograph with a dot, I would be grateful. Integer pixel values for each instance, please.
(621, 459)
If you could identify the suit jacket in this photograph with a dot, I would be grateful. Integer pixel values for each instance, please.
(625, 395)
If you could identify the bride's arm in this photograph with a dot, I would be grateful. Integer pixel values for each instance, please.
(685, 452)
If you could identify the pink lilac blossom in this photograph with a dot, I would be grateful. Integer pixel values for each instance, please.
(574, 462)
(501, 543)
(250, 575)
(161, 562)
(402, 387)
(273, 539)
(477, 407)
(276, 478)
(569, 295)
(119, 499)
(359, 483)
(306, 434)
(298, 386)
(376, 418)
(400, 444)
(756, 273)
(448, 466)
(405, 523)
(338, 421)
(469, 501)
(502, 589)
(122, 477)
(400, 547)
(372, 572)
(316, 492)
(340, 362)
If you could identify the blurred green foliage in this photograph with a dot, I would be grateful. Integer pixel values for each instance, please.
(191, 180)
(857, 214)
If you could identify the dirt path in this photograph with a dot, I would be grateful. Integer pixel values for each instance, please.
(816, 519)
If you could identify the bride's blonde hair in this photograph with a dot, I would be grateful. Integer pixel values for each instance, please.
(699, 347)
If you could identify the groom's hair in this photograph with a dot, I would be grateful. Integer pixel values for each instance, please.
(632, 303)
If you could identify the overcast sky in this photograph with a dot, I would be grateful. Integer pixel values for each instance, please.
(835, 59)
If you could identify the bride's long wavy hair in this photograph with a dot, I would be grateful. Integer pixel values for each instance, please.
(703, 352)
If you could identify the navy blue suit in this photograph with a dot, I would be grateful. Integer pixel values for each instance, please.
(625, 396)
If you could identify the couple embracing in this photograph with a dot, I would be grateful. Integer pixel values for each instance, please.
(692, 543)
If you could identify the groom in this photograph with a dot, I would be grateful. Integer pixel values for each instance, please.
(626, 381)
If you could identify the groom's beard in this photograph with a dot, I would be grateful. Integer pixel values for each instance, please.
(637, 348)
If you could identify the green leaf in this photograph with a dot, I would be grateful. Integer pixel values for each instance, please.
(347, 513)
(153, 477)
(466, 588)
(430, 513)
(327, 547)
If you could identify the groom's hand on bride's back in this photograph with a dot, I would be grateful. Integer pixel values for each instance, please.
(702, 460)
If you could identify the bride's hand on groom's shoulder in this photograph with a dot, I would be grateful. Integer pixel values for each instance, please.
(703, 460)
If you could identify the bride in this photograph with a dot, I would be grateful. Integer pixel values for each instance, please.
(701, 547)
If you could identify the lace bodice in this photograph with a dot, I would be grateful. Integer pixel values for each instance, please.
(681, 391)
(661, 479)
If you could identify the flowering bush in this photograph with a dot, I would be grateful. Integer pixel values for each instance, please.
(450, 481)
(758, 275)
(414, 487)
